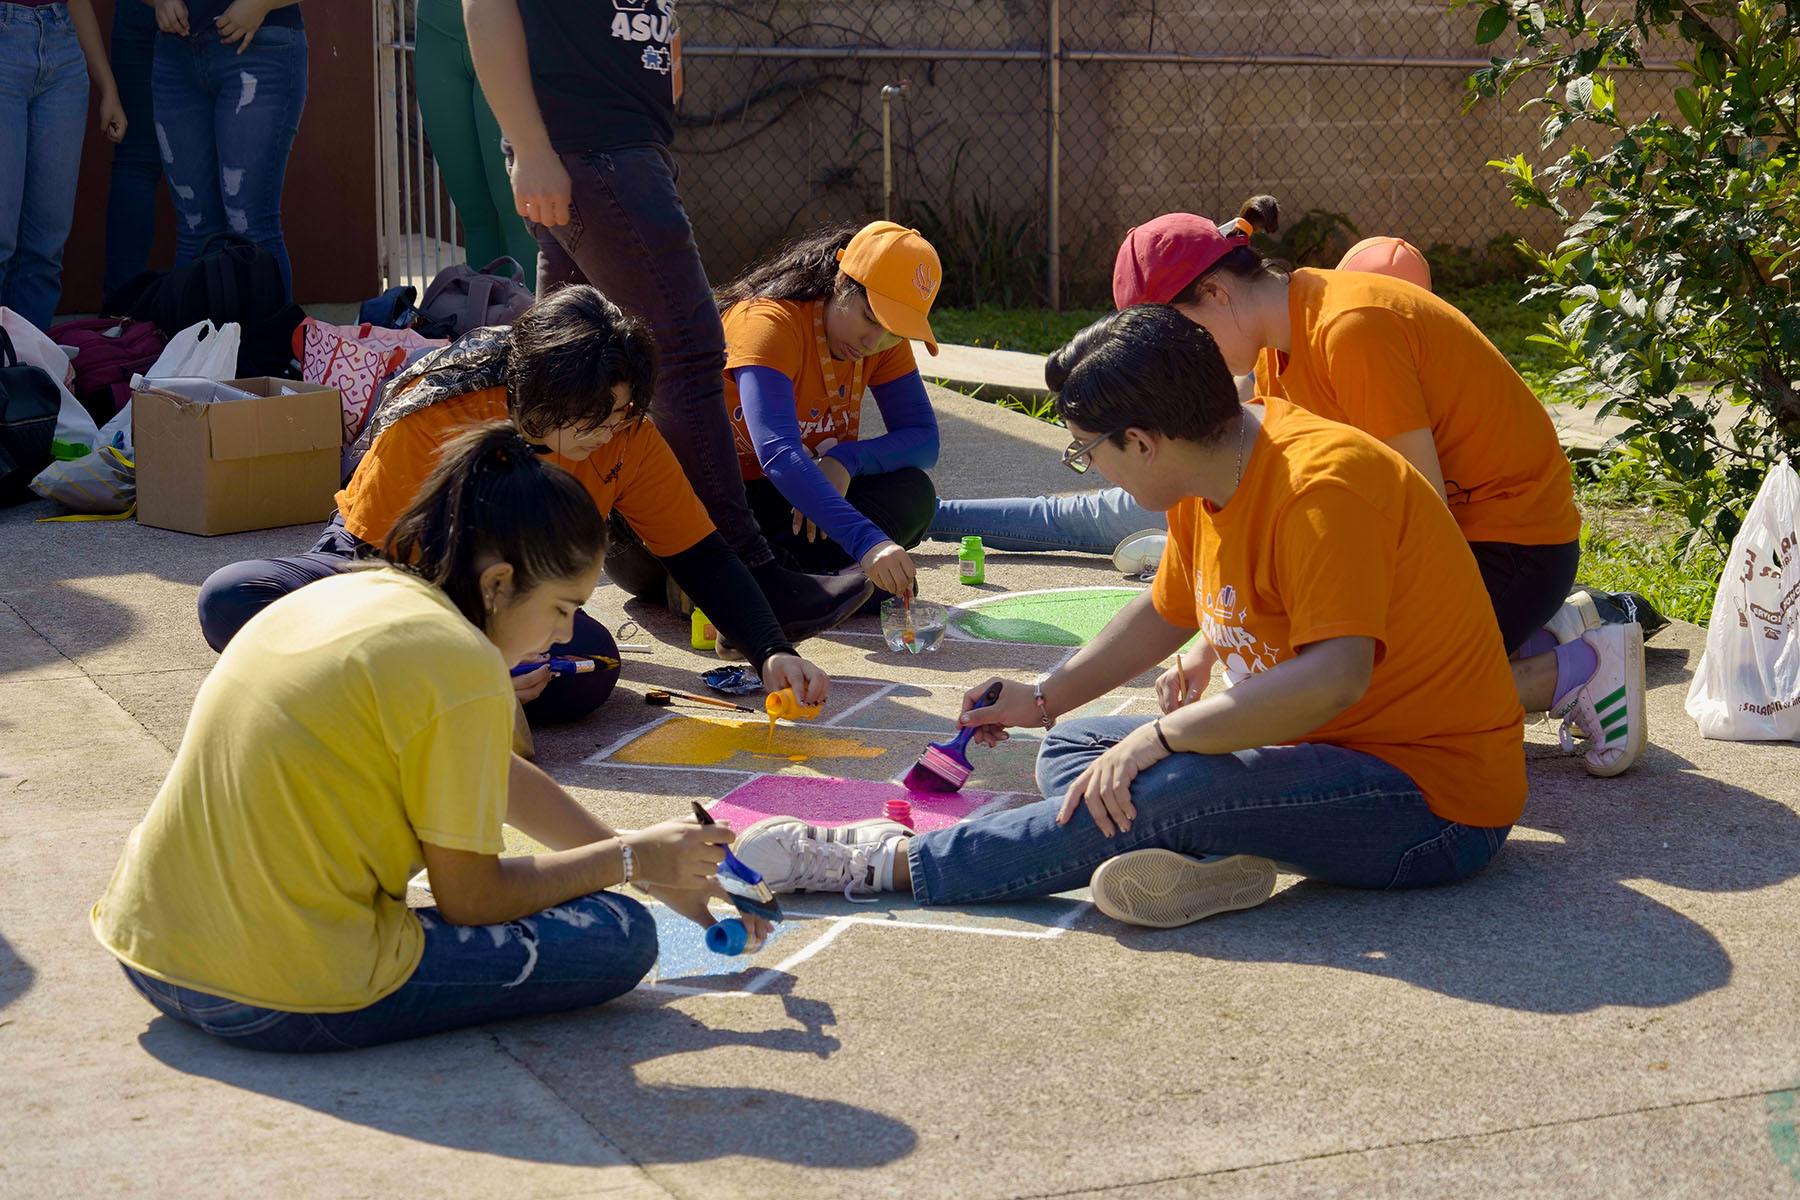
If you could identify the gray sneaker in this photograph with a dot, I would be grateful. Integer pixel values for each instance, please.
(793, 856)
(1164, 889)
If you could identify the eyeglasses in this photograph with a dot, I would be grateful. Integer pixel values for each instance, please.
(1078, 458)
(620, 422)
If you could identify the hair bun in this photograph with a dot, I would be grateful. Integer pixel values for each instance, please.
(506, 449)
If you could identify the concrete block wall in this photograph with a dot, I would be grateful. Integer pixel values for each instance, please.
(1387, 145)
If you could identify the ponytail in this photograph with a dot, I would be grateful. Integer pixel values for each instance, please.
(491, 497)
(1258, 214)
(804, 269)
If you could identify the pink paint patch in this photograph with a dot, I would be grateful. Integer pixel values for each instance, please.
(839, 802)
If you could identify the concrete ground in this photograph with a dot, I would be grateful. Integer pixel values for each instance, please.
(1612, 1009)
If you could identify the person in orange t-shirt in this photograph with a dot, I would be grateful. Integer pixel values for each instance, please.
(574, 375)
(1404, 365)
(1368, 735)
(806, 330)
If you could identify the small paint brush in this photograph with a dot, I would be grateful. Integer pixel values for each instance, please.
(909, 637)
(944, 767)
(663, 697)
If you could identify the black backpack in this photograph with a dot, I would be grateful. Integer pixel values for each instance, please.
(29, 404)
(231, 279)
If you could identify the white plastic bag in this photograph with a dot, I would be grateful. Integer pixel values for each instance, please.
(1747, 687)
(201, 351)
(74, 425)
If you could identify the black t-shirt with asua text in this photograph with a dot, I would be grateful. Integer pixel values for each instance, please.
(601, 71)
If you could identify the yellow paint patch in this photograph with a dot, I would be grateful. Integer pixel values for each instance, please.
(704, 742)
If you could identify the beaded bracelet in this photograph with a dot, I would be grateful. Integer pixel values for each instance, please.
(626, 863)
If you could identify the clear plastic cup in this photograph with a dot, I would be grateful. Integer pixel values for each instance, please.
(928, 621)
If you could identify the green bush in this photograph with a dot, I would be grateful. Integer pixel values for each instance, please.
(1677, 240)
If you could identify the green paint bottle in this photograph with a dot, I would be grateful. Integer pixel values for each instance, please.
(701, 634)
(971, 566)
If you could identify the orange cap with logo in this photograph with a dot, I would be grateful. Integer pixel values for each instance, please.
(901, 273)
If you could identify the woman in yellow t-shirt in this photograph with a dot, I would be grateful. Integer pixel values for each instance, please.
(1404, 365)
(806, 330)
(362, 726)
(1368, 734)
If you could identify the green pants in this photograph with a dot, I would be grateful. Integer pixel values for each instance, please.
(465, 139)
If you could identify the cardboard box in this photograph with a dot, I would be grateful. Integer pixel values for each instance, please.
(210, 466)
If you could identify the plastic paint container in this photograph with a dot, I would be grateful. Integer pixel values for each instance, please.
(971, 566)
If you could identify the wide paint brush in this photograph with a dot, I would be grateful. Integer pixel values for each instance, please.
(944, 767)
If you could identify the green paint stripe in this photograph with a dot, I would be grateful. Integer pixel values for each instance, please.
(1616, 734)
(1612, 699)
(1618, 715)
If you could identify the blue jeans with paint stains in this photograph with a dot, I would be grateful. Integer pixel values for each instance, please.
(1329, 813)
(575, 955)
(225, 123)
(43, 114)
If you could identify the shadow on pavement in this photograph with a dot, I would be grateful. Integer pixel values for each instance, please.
(16, 975)
(1554, 925)
(590, 1061)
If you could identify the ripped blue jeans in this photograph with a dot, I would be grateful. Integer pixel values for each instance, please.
(576, 955)
(225, 123)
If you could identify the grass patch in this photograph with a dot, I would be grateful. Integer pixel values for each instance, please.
(1030, 330)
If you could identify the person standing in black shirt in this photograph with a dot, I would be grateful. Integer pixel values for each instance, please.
(584, 92)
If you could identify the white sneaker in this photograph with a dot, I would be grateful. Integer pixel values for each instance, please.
(1140, 552)
(793, 856)
(1608, 710)
(1164, 889)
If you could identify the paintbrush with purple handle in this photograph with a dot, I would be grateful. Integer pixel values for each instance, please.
(944, 767)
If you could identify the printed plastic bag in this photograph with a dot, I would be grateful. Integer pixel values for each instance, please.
(201, 351)
(102, 482)
(1747, 687)
(354, 359)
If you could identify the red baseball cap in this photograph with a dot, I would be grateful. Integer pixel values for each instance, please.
(1160, 257)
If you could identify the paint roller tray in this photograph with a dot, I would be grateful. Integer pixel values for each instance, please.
(928, 623)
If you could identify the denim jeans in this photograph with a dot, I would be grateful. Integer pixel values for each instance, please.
(238, 591)
(225, 123)
(43, 116)
(629, 236)
(1332, 814)
(1090, 523)
(575, 955)
(136, 163)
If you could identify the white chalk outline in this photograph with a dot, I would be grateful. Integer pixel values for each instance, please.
(765, 976)
(598, 758)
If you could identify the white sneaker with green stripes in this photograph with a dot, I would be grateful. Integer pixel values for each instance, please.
(1608, 710)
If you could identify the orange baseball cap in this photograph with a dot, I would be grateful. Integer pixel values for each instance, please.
(1390, 256)
(901, 273)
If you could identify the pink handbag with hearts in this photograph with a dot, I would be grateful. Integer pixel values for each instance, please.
(354, 359)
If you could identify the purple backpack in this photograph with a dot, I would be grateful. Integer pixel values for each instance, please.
(108, 351)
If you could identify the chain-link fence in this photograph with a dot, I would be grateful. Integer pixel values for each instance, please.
(1031, 125)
